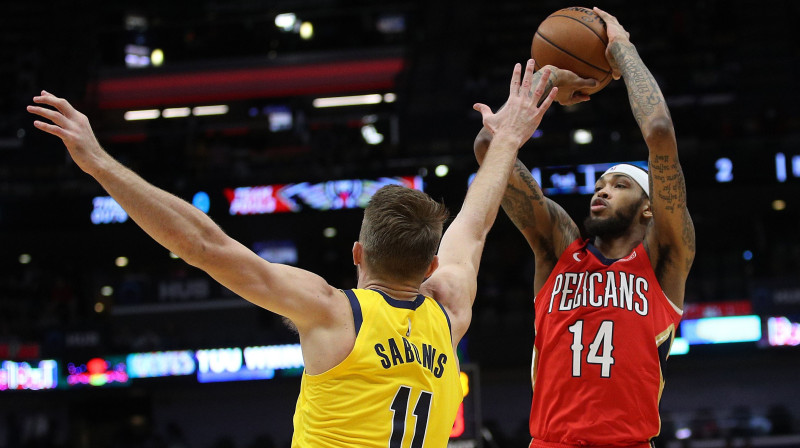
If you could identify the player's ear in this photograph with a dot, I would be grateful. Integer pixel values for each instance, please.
(358, 253)
(647, 212)
(433, 266)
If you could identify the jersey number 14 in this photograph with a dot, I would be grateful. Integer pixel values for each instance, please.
(600, 350)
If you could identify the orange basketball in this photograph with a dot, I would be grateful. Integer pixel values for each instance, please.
(573, 39)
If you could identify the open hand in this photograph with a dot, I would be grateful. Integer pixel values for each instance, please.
(521, 114)
(71, 126)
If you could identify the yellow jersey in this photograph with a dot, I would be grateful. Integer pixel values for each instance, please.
(398, 388)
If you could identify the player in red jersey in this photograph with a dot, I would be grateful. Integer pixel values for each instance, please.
(607, 307)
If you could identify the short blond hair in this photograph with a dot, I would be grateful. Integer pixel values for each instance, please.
(401, 232)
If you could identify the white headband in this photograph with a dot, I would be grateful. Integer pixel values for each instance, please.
(639, 175)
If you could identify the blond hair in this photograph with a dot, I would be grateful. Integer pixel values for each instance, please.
(401, 232)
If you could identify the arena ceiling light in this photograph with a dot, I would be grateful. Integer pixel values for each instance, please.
(354, 100)
(154, 89)
(157, 57)
(582, 136)
(286, 21)
(149, 114)
(306, 30)
(371, 135)
(221, 109)
(176, 112)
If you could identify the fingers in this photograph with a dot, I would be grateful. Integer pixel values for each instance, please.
(486, 114)
(514, 88)
(50, 114)
(548, 101)
(485, 111)
(527, 79)
(590, 83)
(60, 104)
(576, 98)
(609, 19)
(58, 116)
(539, 91)
(482, 108)
(50, 129)
(603, 15)
(581, 97)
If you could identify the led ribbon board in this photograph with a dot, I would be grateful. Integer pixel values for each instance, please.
(105, 210)
(783, 331)
(160, 364)
(572, 179)
(250, 363)
(98, 372)
(24, 376)
(330, 195)
(721, 330)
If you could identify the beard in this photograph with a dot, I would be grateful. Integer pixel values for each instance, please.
(614, 226)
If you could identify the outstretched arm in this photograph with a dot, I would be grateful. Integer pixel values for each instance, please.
(454, 283)
(185, 230)
(671, 241)
(544, 224)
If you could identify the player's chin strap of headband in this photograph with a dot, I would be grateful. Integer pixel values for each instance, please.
(639, 175)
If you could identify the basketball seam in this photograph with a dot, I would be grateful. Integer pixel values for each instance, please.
(572, 55)
(587, 26)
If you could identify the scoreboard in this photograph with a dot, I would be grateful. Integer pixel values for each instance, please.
(466, 431)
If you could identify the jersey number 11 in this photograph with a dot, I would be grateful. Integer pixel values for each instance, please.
(399, 408)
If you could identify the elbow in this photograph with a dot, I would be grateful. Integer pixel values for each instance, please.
(659, 129)
(195, 254)
(200, 251)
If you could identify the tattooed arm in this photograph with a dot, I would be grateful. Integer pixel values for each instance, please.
(545, 225)
(671, 239)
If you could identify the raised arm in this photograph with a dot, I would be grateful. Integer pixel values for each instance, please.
(671, 240)
(544, 224)
(454, 283)
(185, 230)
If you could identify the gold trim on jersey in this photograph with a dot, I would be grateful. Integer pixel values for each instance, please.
(661, 338)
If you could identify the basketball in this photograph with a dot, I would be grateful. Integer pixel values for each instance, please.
(573, 39)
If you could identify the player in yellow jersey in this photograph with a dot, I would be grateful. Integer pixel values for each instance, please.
(380, 368)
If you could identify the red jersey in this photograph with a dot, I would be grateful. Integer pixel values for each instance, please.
(603, 330)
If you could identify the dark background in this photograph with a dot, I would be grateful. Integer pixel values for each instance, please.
(727, 70)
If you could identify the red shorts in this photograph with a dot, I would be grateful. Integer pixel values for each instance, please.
(543, 444)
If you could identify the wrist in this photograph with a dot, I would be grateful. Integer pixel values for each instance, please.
(506, 140)
(97, 163)
(620, 40)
